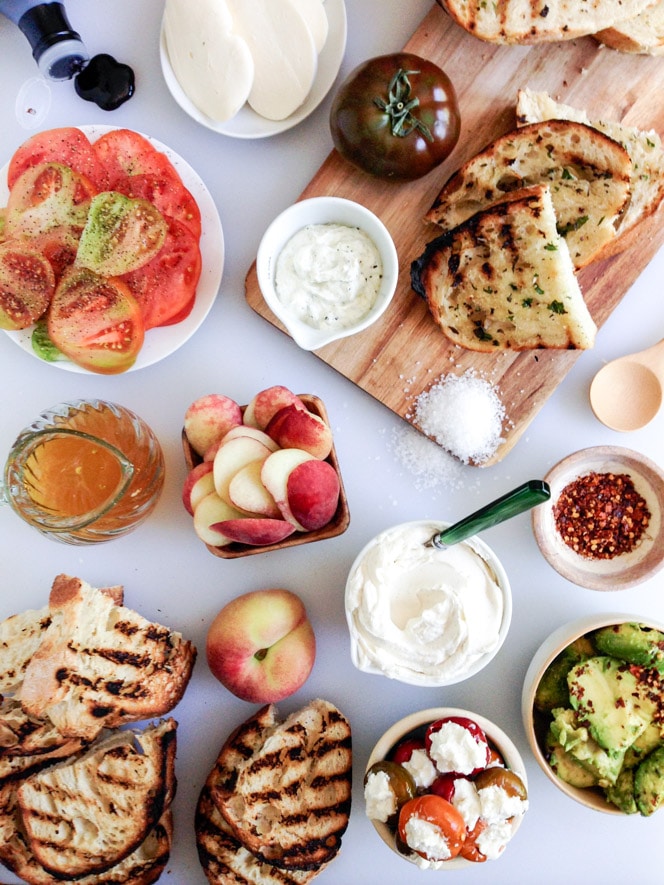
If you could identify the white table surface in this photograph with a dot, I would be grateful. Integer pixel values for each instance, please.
(170, 576)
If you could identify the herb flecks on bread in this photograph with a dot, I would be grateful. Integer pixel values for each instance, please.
(504, 280)
(588, 172)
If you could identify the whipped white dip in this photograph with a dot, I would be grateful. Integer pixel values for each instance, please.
(422, 615)
(329, 275)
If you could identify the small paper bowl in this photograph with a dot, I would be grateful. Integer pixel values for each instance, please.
(414, 726)
(536, 724)
(427, 528)
(323, 210)
(623, 571)
(337, 525)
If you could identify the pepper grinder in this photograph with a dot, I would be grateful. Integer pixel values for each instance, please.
(61, 55)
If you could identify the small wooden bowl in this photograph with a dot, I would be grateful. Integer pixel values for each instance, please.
(337, 525)
(623, 571)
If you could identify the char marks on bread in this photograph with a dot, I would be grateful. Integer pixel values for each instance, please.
(504, 279)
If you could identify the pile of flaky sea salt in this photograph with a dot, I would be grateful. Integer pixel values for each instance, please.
(464, 415)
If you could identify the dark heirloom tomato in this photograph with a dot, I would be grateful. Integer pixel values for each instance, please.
(401, 782)
(396, 117)
(27, 282)
(96, 322)
(504, 778)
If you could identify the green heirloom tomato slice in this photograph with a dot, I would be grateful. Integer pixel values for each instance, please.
(27, 283)
(47, 196)
(121, 234)
(96, 322)
(396, 117)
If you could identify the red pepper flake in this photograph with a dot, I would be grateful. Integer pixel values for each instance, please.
(601, 515)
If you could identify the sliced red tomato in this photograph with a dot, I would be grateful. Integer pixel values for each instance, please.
(165, 287)
(27, 283)
(439, 813)
(167, 193)
(124, 152)
(59, 246)
(48, 195)
(66, 145)
(96, 322)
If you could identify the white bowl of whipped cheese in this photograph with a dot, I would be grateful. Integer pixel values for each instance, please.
(327, 268)
(426, 616)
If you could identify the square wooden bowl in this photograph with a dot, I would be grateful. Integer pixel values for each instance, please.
(337, 525)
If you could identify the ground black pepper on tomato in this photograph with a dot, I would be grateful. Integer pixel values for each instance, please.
(396, 117)
(601, 515)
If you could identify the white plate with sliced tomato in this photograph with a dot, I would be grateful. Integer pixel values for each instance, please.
(187, 265)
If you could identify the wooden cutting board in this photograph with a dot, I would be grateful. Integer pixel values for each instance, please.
(405, 353)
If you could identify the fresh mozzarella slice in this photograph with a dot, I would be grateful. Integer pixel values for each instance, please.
(284, 53)
(212, 63)
(313, 12)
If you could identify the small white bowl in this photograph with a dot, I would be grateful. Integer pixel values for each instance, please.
(444, 673)
(620, 572)
(416, 724)
(535, 724)
(323, 210)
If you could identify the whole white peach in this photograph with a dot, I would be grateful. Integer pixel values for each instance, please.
(261, 646)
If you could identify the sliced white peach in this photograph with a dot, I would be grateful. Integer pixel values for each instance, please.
(198, 483)
(210, 511)
(209, 418)
(312, 489)
(254, 433)
(267, 403)
(294, 428)
(233, 456)
(256, 531)
(247, 492)
(274, 476)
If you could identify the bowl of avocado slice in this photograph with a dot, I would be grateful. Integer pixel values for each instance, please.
(593, 711)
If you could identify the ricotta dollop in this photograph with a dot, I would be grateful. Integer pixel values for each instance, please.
(329, 275)
(419, 614)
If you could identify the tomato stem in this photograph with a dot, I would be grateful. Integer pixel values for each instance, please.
(400, 105)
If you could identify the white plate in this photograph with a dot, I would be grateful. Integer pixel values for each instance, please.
(160, 342)
(247, 123)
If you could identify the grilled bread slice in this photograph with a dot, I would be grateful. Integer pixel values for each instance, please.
(19, 637)
(142, 867)
(100, 664)
(83, 816)
(641, 35)
(589, 175)
(644, 148)
(504, 280)
(224, 859)
(515, 21)
(27, 743)
(291, 799)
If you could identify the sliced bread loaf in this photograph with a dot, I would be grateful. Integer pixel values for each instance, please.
(589, 176)
(641, 35)
(504, 279)
(643, 146)
(99, 664)
(515, 21)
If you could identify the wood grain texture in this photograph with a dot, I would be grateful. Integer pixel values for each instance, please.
(405, 353)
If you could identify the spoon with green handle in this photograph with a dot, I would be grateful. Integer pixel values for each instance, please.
(524, 497)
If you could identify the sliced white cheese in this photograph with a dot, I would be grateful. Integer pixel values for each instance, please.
(284, 53)
(213, 64)
(315, 15)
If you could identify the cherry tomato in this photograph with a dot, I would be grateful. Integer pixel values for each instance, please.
(67, 145)
(504, 778)
(445, 785)
(165, 287)
(470, 849)
(27, 283)
(396, 117)
(473, 730)
(442, 815)
(405, 749)
(95, 321)
(401, 782)
(167, 193)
